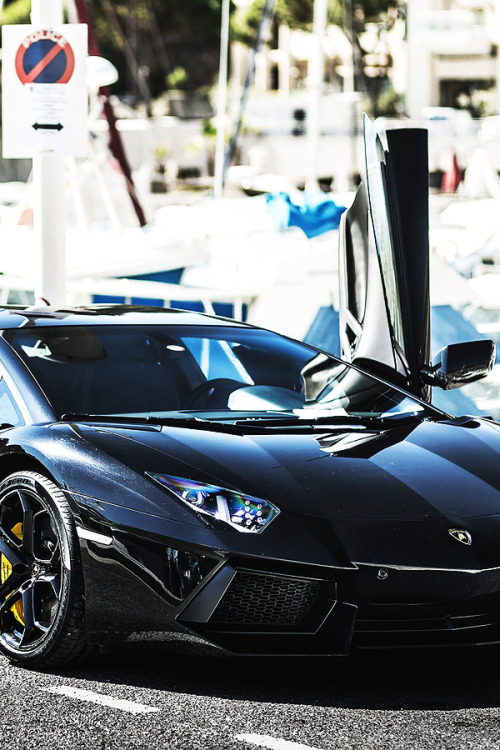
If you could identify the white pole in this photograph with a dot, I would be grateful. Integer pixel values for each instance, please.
(315, 80)
(49, 206)
(221, 101)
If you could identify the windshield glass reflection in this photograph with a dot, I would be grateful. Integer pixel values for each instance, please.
(220, 372)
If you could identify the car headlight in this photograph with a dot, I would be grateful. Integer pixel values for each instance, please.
(242, 512)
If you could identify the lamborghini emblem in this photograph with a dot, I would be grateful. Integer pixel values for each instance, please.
(461, 536)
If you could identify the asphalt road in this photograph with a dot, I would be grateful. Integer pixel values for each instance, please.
(123, 701)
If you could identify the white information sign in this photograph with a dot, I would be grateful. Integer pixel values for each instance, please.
(44, 94)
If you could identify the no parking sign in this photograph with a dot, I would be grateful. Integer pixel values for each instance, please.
(45, 57)
(44, 96)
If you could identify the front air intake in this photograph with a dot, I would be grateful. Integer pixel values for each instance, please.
(262, 599)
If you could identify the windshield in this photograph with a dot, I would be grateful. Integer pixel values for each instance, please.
(215, 372)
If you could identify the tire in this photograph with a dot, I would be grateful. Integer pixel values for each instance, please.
(42, 605)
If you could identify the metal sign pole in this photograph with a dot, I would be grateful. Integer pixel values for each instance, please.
(49, 206)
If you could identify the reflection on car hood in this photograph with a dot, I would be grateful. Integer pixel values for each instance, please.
(405, 473)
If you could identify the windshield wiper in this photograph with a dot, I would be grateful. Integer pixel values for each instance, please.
(196, 423)
(348, 420)
(129, 419)
(245, 425)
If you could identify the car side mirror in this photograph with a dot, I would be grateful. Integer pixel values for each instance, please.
(459, 364)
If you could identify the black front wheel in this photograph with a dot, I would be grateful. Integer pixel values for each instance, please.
(42, 612)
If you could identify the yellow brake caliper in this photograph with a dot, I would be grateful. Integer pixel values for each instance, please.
(5, 572)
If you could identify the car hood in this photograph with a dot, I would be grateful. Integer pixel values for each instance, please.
(347, 496)
(402, 473)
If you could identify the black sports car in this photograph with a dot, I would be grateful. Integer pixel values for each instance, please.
(173, 477)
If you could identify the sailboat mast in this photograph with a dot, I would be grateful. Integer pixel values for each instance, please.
(221, 101)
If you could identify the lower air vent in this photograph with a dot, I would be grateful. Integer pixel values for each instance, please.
(185, 570)
(260, 599)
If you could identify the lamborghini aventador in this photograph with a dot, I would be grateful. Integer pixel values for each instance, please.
(179, 479)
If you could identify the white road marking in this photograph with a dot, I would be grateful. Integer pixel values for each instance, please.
(273, 743)
(103, 700)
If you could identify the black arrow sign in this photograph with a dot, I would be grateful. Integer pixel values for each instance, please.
(48, 126)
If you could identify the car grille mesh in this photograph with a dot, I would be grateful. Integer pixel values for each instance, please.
(260, 599)
(423, 623)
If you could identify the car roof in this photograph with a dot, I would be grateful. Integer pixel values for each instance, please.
(105, 314)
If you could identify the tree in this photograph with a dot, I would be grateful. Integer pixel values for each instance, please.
(16, 11)
(161, 37)
(298, 14)
(351, 15)
(154, 38)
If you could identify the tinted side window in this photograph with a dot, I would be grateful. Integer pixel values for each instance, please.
(9, 411)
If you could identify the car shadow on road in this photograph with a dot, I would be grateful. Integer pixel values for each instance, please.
(418, 680)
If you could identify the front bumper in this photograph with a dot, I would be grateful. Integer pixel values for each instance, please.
(416, 607)
(146, 586)
(246, 605)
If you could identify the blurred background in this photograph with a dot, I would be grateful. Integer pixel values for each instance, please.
(225, 140)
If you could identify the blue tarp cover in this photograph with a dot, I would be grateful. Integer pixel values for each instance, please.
(314, 216)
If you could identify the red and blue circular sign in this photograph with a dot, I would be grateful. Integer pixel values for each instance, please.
(45, 56)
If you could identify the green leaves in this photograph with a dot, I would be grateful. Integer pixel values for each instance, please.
(16, 12)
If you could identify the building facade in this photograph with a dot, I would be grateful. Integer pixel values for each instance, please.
(443, 53)
(452, 55)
